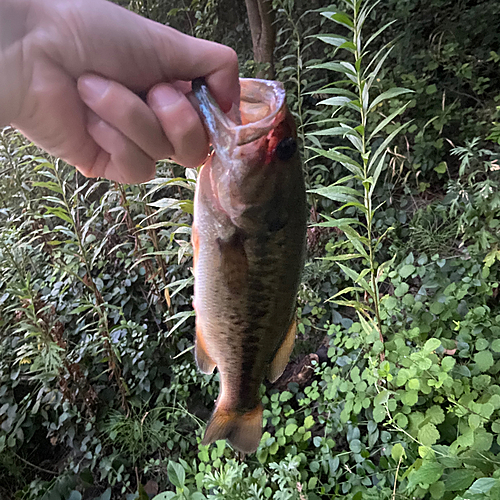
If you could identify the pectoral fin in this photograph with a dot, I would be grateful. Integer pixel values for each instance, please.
(196, 245)
(203, 360)
(234, 262)
(278, 364)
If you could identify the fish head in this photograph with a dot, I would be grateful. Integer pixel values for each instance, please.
(253, 146)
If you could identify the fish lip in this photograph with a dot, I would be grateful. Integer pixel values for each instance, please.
(226, 134)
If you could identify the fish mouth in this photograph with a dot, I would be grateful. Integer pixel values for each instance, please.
(262, 107)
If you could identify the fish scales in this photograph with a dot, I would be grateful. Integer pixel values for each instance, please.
(248, 238)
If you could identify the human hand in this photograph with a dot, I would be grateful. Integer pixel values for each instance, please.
(70, 72)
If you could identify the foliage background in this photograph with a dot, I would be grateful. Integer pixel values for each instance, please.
(99, 394)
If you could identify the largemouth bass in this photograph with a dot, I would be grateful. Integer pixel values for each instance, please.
(249, 241)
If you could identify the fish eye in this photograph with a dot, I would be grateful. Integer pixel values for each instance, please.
(286, 148)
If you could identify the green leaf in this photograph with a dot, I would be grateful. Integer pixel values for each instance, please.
(379, 414)
(414, 384)
(429, 473)
(459, 479)
(435, 414)
(398, 452)
(431, 89)
(355, 445)
(386, 121)
(309, 422)
(482, 486)
(428, 434)
(377, 33)
(166, 495)
(352, 165)
(484, 360)
(343, 194)
(52, 186)
(431, 345)
(338, 67)
(356, 239)
(441, 168)
(382, 397)
(377, 171)
(348, 289)
(335, 101)
(389, 94)
(346, 256)
(176, 474)
(406, 270)
(290, 429)
(356, 277)
(335, 131)
(374, 73)
(409, 398)
(334, 40)
(436, 308)
(495, 345)
(382, 148)
(448, 363)
(340, 18)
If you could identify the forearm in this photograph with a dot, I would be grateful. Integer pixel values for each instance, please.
(13, 31)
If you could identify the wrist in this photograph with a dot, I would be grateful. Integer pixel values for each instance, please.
(13, 30)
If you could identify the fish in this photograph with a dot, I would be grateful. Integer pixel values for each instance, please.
(248, 236)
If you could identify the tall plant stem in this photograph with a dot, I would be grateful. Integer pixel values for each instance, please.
(366, 185)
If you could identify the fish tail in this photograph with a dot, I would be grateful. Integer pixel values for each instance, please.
(242, 430)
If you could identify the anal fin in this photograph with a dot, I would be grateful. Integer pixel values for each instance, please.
(281, 358)
(203, 360)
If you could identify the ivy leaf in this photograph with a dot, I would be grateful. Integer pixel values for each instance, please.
(428, 434)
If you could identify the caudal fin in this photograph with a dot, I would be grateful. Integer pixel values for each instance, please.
(242, 430)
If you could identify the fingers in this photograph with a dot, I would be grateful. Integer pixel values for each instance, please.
(126, 112)
(119, 159)
(168, 128)
(181, 123)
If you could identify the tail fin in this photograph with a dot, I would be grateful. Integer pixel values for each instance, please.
(243, 431)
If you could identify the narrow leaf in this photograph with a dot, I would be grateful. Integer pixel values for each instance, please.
(352, 165)
(385, 144)
(387, 120)
(389, 94)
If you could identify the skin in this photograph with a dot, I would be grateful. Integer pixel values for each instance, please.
(71, 72)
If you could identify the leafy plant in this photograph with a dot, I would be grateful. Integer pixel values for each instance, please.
(364, 159)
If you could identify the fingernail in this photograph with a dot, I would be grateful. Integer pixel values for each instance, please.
(163, 96)
(92, 88)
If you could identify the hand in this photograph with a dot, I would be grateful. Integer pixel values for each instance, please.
(70, 72)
